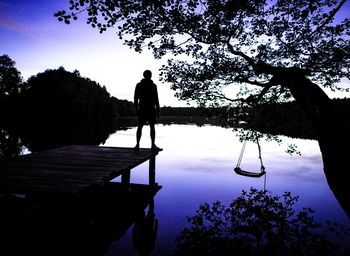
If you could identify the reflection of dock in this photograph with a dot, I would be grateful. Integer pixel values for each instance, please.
(60, 202)
(86, 227)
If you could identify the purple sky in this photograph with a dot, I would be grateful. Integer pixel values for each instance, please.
(36, 41)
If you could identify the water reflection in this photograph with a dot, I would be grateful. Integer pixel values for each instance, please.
(84, 226)
(259, 223)
(144, 232)
(10, 144)
(38, 136)
(196, 166)
(41, 134)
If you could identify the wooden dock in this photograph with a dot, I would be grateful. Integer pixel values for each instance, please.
(71, 169)
(63, 199)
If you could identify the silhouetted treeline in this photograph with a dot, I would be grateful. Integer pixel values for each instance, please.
(183, 111)
(278, 119)
(288, 118)
(123, 108)
(57, 108)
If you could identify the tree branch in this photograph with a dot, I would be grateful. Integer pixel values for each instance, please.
(241, 54)
(259, 67)
(253, 82)
(222, 96)
(331, 16)
(257, 97)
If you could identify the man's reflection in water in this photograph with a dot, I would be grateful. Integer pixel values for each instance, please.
(145, 231)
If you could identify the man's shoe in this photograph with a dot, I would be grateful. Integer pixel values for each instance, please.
(154, 147)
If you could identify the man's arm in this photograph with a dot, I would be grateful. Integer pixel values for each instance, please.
(157, 101)
(136, 99)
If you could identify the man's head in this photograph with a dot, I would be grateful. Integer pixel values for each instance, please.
(147, 74)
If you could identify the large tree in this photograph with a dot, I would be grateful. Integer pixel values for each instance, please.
(286, 49)
(63, 108)
(10, 77)
(11, 84)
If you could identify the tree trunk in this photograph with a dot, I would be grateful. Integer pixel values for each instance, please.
(332, 135)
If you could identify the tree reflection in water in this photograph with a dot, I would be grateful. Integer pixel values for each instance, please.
(10, 144)
(36, 138)
(258, 223)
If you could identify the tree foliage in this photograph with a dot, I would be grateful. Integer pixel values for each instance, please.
(67, 94)
(258, 223)
(230, 42)
(61, 108)
(10, 77)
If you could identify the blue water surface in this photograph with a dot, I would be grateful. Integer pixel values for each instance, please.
(196, 166)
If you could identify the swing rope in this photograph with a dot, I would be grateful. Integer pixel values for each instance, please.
(241, 154)
(262, 167)
(239, 171)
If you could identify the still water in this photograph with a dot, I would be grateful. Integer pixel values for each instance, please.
(196, 166)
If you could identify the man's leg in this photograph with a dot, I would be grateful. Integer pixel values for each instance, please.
(153, 134)
(138, 135)
(153, 137)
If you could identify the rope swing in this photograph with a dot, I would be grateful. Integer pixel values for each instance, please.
(238, 169)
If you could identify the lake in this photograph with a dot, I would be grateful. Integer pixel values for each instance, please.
(196, 166)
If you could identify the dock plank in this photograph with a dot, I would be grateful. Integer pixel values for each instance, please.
(68, 169)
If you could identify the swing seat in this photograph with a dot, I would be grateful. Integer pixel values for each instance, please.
(239, 171)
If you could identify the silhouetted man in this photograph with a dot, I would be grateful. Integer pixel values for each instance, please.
(147, 107)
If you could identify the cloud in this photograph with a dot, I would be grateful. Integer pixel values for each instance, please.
(19, 27)
(8, 21)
